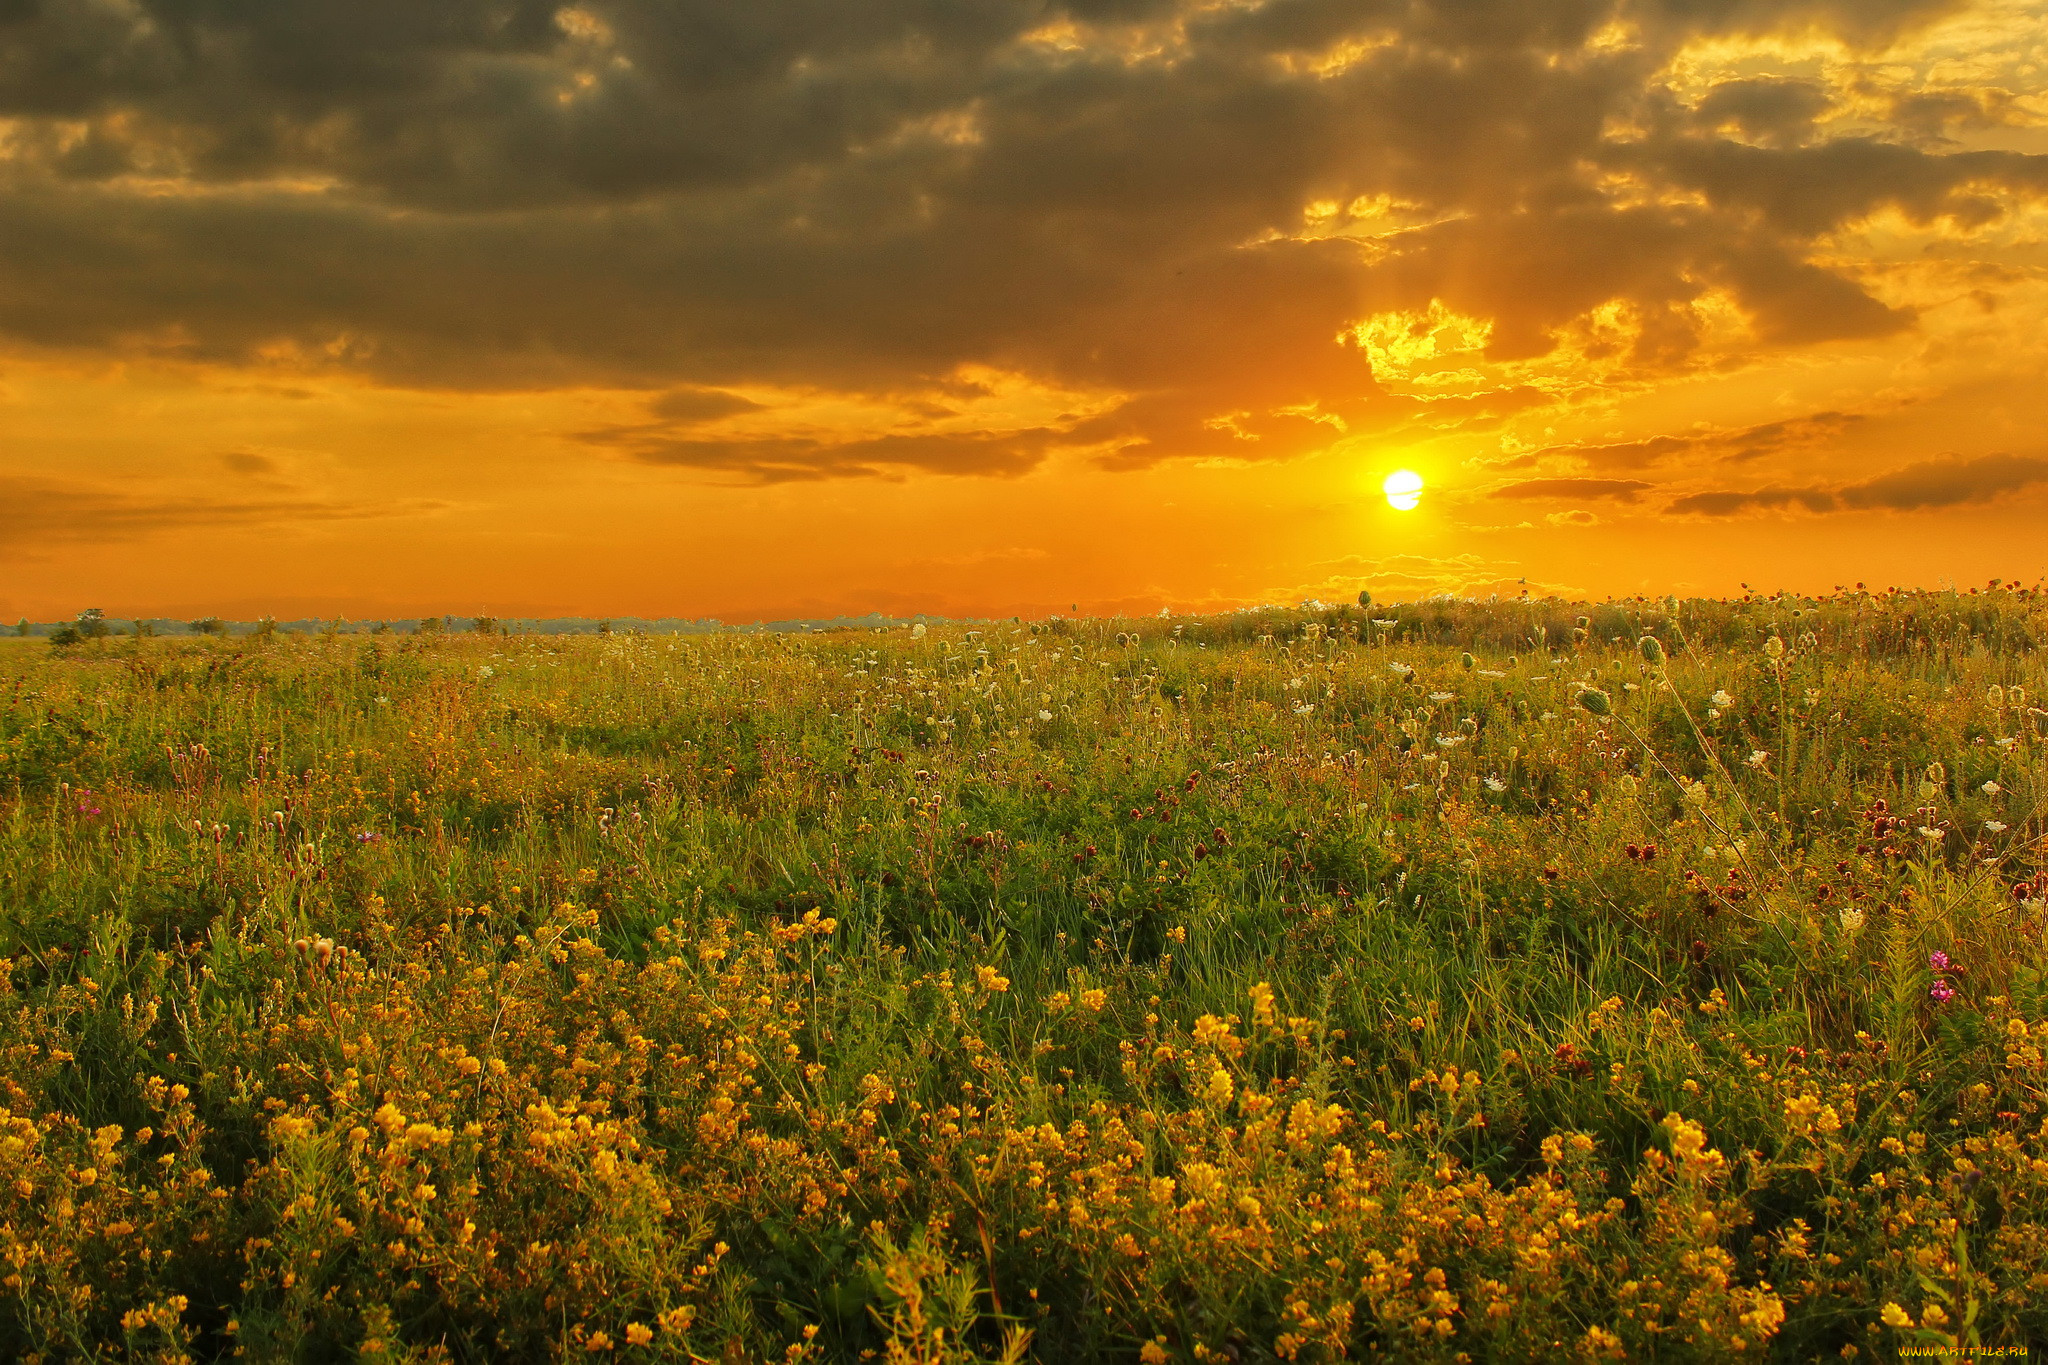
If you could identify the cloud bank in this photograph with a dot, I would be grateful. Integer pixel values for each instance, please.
(1193, 210)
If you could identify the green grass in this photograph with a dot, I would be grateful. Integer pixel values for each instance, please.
(1285, 984)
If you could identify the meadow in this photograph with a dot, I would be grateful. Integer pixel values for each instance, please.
(1650, 980)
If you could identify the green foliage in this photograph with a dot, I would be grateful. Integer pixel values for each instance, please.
(1278, 985)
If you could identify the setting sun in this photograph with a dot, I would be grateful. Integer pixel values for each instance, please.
(1403, 489)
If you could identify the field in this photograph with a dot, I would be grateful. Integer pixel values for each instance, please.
(1446, 981)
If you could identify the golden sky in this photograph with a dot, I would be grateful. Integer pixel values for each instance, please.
(685, 307)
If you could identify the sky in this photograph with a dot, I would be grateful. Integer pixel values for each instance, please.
(979, 307)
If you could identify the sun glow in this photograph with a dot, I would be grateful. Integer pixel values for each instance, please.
(1403, 489)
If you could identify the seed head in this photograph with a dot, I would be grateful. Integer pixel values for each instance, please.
(1652, 650)
(1365, 599)
(1596, 701)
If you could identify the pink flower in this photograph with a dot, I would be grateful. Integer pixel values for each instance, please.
(1941, 992)
(1938, 960)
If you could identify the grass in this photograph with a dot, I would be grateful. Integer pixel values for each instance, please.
(1447, 982)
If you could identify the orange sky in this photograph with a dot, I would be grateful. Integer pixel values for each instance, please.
(687, 308)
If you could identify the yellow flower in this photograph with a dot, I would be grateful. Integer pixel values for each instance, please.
(638, 1334)
(990, 980)
(1220, 1088)
(1895, 1316)
(1152, 1353)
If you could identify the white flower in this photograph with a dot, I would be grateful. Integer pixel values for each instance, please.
(1758, 758)
(1722, 698)
(1495, 785)
(1491, 673)
(1927, 832)
(1449, 741)
(1305, 708)
(1995, 826)
(1443, 696)
(1852, 920)
(1044, 714)
(1548, 715)
(1713, 714)
(1991, 789)
(1378, 622)
(1400, 670)
(2006, 743)
(485, 671)
(917, 631)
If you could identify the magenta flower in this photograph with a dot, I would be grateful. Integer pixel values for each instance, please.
(1941, 992)
(1938, 960)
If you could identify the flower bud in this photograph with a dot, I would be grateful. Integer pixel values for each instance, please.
(1596, 701)
(1652, 650)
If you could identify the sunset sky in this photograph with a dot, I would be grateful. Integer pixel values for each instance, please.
(708, 308)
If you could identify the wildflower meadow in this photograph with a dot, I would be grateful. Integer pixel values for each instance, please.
(1446, 981)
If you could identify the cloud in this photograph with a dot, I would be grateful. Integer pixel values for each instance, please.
(1621, 490)
(250, 463)
(772, 459)
(1152, 198)
(38, 513)
(1917, 487)
(1465, 575)
(1737, 446)
(1945, 483)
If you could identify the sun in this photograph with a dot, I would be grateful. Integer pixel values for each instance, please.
(1403, 489)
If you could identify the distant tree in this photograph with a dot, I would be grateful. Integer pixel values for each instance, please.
(64, 635)
(92, 624)
(144, 629)
(266, 627)
(207, 625)
(485, 625)
(381, 628)
(604, 627)
(21, 626)
(431, 625)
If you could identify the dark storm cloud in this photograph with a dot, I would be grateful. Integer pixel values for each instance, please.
(38, 512)
(1917, 487)
(690, 195)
